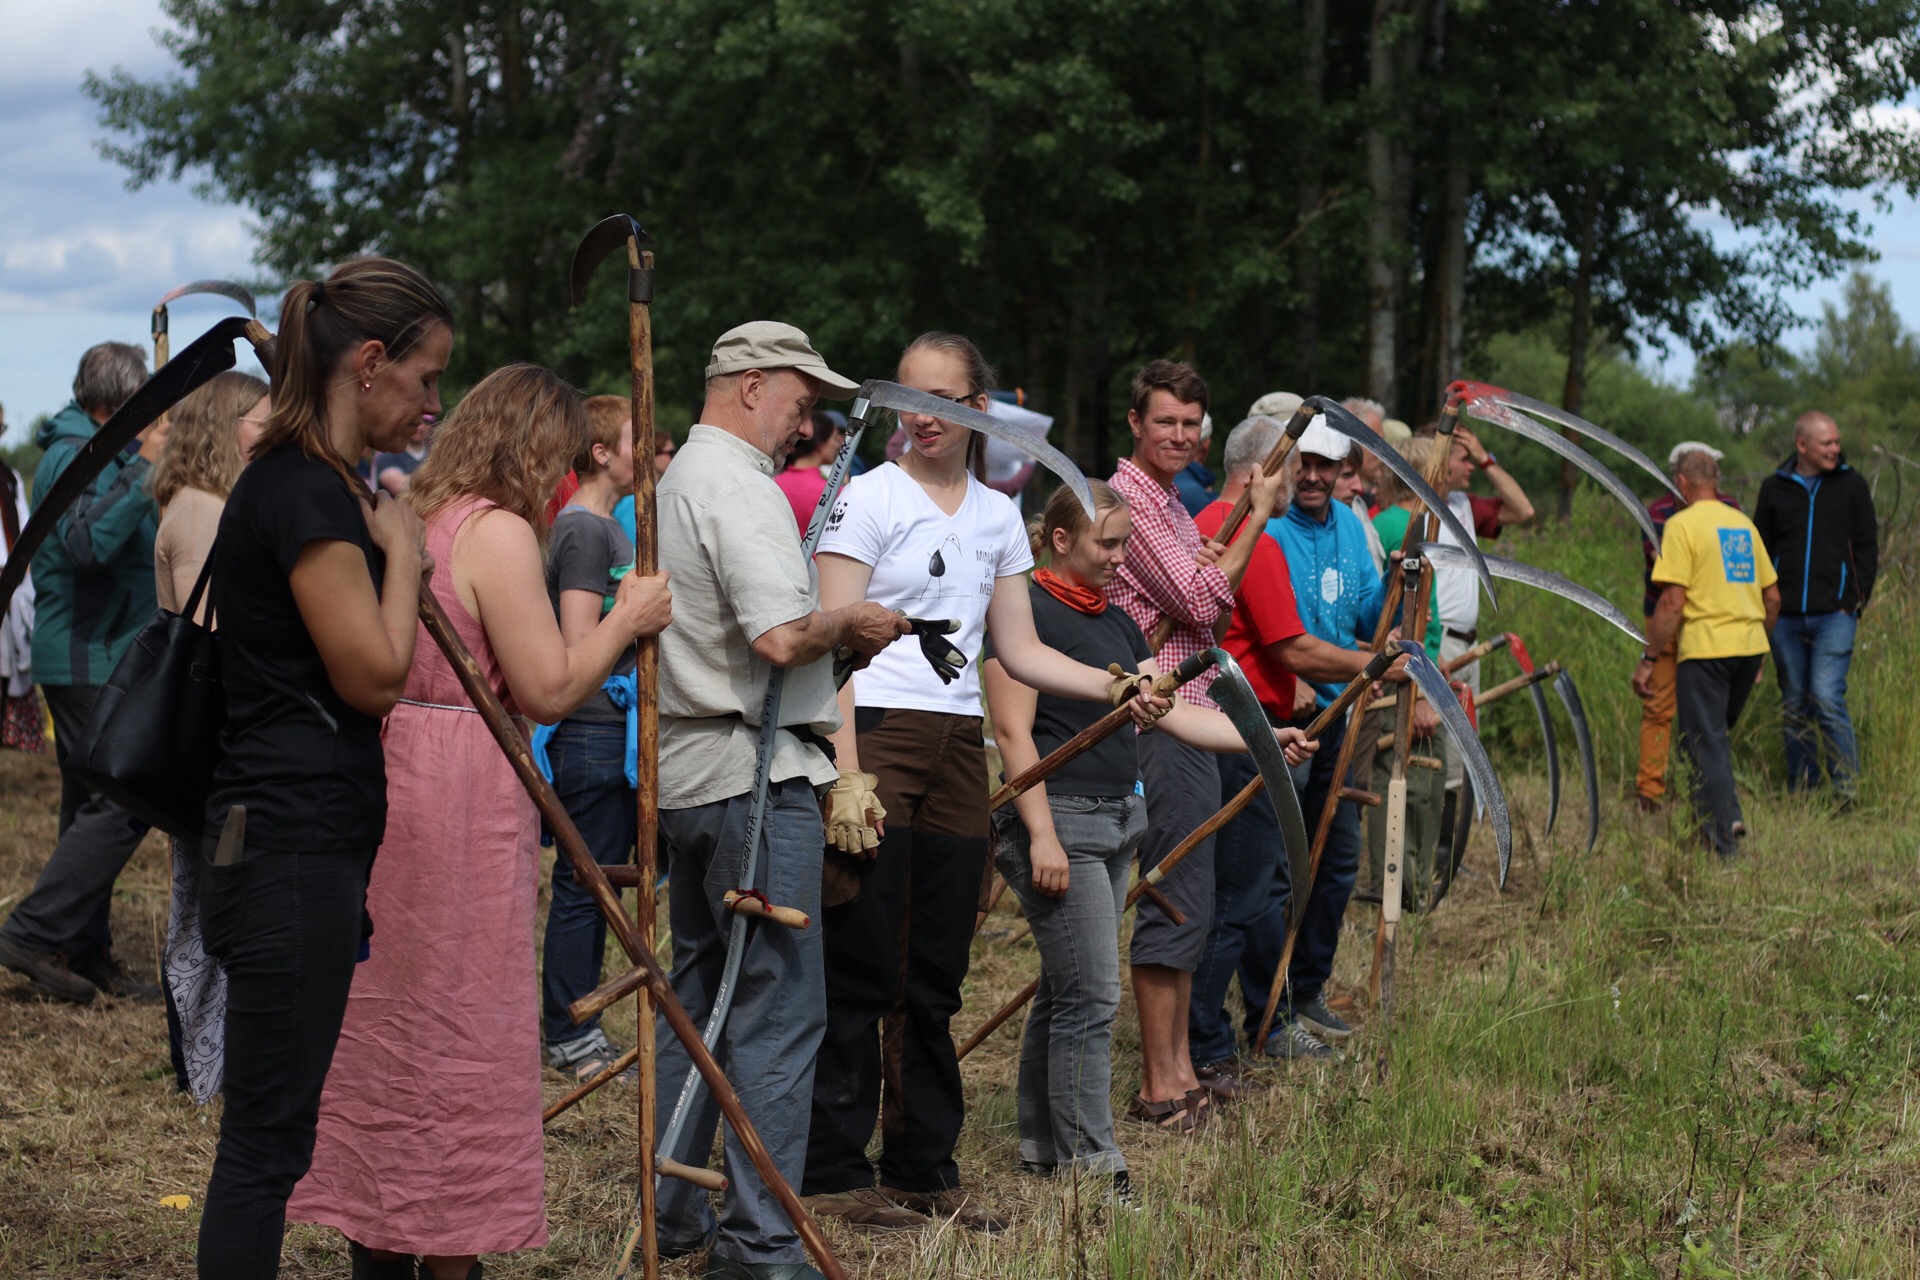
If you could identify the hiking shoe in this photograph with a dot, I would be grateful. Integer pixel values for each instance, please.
(864, 1207)
(110, 974)
(1296, 1042)
(1322, 1021)
(46, 972)
(587, 1056)
(1229, 1081)
(719, 1268)
(951, 1204)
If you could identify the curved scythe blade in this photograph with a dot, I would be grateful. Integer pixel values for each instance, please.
(1340, 419)
(1583, 737)
(1454, 716)
(225, 288)
(1520, 424)
(602, 239)
(1572, 421)
(197, 363)
(1539, 696)
(891, 395)
(1546, 580)
(1242, 706)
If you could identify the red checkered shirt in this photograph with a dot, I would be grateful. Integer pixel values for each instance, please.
(1163, 576)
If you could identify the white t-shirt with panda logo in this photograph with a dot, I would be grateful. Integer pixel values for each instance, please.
(928, 565)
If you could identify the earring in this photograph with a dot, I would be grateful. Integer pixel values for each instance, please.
(366, 386)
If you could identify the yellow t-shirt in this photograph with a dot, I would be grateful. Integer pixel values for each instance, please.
(1714, 551)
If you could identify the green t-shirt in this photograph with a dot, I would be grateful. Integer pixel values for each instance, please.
(1391, 525)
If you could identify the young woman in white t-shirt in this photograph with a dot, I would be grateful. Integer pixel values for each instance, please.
(925, 537)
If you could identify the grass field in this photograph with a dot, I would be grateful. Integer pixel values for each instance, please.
(1635, 1063)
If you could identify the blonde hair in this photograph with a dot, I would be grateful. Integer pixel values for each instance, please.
(1064, 512)
(203, 440)
(609, 421)
(368, 299)
(1419, 455)
(509, 441)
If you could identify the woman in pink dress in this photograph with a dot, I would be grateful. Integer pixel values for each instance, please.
(430, 1141)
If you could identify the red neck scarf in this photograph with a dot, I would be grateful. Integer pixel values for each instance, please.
(1071, 594)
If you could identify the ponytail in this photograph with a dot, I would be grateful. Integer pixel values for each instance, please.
(367, 299)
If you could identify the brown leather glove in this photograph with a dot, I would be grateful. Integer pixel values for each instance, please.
(1125, 684)
(854, 813)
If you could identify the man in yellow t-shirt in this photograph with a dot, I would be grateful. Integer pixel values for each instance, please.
(1717, 589)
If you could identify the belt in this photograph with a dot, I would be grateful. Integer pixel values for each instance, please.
(1465, 637)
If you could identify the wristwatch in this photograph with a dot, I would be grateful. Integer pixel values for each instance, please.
(1491, 460)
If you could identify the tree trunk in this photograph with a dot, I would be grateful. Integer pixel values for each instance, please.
(1309, 189)
(1381, 330)
(1579, 333)
(1452, 291)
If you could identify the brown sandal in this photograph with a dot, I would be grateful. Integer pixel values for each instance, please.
(1175, 1115)
(1201, 1105)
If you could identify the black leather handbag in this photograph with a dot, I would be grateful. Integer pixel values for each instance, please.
(153, 739)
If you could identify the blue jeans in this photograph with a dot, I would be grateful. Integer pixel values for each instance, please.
(1811, 653)
(1066, 1056)
(589, 773)
(779, 1013)
(1248, 855)
(1326, 905)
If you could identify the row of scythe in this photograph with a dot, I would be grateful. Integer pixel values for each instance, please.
(213, 353)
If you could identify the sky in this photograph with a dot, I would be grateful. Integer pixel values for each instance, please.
(83, 259)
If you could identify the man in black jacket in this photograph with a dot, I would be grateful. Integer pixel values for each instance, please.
(1815, 516)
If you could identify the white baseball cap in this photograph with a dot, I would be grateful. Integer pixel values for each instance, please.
(1686, 447)
(1275, 404)
(1323, 441)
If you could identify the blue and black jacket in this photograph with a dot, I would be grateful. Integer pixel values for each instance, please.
(1822, 536)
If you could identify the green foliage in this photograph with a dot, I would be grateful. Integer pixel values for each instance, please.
(1079, 184)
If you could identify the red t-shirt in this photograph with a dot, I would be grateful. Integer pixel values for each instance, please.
(1263, 613)
(1486, 516)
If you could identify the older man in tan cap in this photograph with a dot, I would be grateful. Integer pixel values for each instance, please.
(747, 601)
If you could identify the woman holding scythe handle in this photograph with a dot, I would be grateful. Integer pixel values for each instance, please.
(927, 538)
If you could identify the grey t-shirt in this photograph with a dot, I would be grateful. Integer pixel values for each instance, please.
(728, 538)
(584, 550)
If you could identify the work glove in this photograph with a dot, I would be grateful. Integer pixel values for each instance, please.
(940, 653)
(1125, 684)
(853, 811)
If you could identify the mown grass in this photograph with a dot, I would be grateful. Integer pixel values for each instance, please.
(1638, 1063)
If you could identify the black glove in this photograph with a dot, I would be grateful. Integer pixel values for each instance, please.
(941, 655)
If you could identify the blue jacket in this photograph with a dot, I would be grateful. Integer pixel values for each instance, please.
(93, 576)
(1335, 585)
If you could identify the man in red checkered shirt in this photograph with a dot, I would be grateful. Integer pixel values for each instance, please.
(1173, 573)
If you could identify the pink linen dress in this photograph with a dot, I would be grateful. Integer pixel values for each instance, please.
(430, 1137)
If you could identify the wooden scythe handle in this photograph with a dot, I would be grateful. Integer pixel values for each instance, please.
(567, 838)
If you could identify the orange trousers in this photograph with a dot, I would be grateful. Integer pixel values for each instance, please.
(1656, 727)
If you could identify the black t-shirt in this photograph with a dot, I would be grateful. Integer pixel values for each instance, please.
(583, 550)
(308, 767)
(1111, 767)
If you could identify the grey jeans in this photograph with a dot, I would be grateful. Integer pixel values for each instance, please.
(1066, 1056)
(68, 908)
(1709, 695)
(779, 1013)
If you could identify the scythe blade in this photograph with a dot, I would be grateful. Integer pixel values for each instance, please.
(602, 239)
(1539, 696)
(1572, 421)
(891, 395)
(1545, 580)
(1242, 706)
(1583, 738)
(1520, 424)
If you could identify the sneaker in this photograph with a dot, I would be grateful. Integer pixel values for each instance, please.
(1229, 1081)
(46, 972)
(110, 974)
(1124, 1195)
(1296, 1042)
(587, 1056)
(864, 1207)
(951, 1204)
(1322, 1021)
(1035, 1168)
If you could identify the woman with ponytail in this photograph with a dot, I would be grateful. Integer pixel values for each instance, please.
(1066, 846)
(317, 597)
(923, 536)
(430, 1140)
